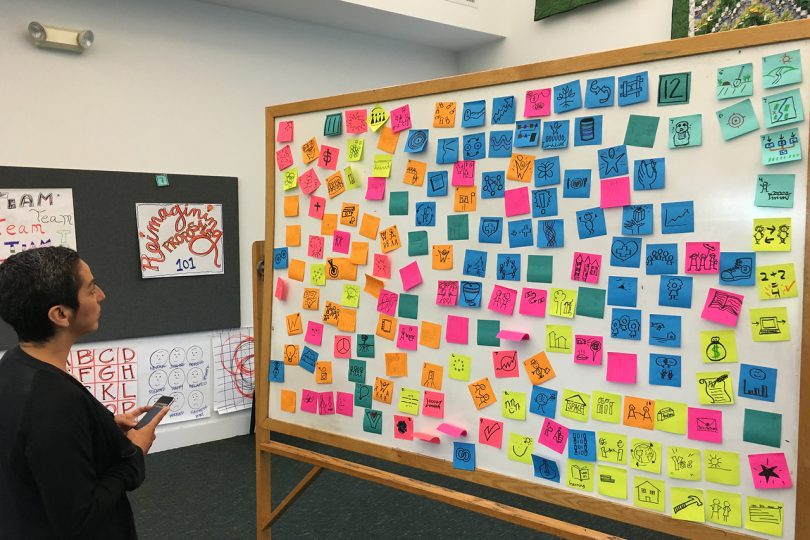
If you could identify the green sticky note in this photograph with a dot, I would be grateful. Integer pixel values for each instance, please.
(561, 302)
(354, 149)
(649, 493)
(611, 447)
(780, 147)
(613, 482)
(520, 448)
(579, 474)
(408, 306)
(721, 467)
(782, 109)
(161, 180)
(683, 463)
(646, 455)
(737, 119)
(398, 203)
(782, 69)
(687, 504)
(317, 274)
(724, 508)
(333, 125)
(365, 345)
(372, 421)
(290, 178)
(591, 302)
(352, 181)
(513, 405)
(607, 407)
(382, 166)
(641, 130)
(764, 516)
(762, 428)
(574, 405)
(357, 371)
(735, 81)
(459, 367)
(673, 88)
(775, 190)
(559, 338)
(540, 269)
(670, 416)
(458, 227)
(351, 296)
(417, 243)
(409, 400)
(685, 131)
(488, 332)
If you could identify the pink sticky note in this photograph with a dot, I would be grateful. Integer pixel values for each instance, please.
(722, 307)
(702, 258)
(326, 403)
(503, 300)
(490, 432)
(375, 190)
(315, 246)
(538, 103)
(356, 121)
(285, 131)
(457, 329)
(403, 427)
(410, 275)
(314, 335)
(284, 158)
(387, 302)
(308, 182)
(341, 241)
(329, 157)
(705, 425)
(553, 435)
(447, 293)
(621, 368)
(345, 403)
(343, 346)
(463, 173)
(401, 119)
(586, 267)
(407, 337)
(516, 202)
(533, 302)
(453, 431)
(615, 192)
(588, 350)
(770, 471)
(512, 335)
(317, 207)
(427, 437)
(505, 364)
(382, 266)
(433, 404)
(281, 289)
(309, 401)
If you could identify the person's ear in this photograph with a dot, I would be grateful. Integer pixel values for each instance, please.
(60, 315)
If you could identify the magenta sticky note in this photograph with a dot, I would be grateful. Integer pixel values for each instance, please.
(463, 173)
(433, 404)
(342, 346)
(401, 118)
(621, 367)
(382, 266)
(315, 246)
(314, 335)
(309, 401)
(281, 289)
(284, 158)
(457, 329)
(410, 275)
(308, 182)
(403, 427)
(317, 207)
(453, 431)
(447, 293)
(553, 435)
(702, 258)
(770, 471)
(615, 192)
(538, 103)
(375, 190)
(490, 432)
(285, 131)
(427, 437)
(407, 336)
(341, 241)
(505, 364)
(722, 307)
(503, 300)
(516, 202)
(345, 403)
(387, 302)
(328, 158)
(585, 267)
(512, 335)
(356, 121)
(533, 302)
(705, 425)
(326, 403)
(588, 350)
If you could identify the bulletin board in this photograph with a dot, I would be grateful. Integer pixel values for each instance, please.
(601, 306)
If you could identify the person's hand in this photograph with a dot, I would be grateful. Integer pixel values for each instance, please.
(128, 420)
(144, 437)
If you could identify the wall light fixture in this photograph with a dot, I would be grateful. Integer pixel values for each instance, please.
(60, 38)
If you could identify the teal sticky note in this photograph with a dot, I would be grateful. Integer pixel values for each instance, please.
(458, 227)
(540, 268)
(673, 88)
(641, 130)
(417, 243)
(781, 69)
(686, 131)
(357, 371)
(762, 428)
(372, 421)
(737, 119)
(782, 109)
(398, 203)
(365, 345)
(362, 395)
(408, 306)
(775, 190)
(161, 180)
(780, 147)
(488, 332)
(735, 81)
(333, 125)
(591, 302)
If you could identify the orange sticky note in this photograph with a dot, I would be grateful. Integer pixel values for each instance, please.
(388, 140)
(341, 268)
(383, 390)
(310, 151)
(296, 269)
(291, 206)
(293, 235)
(288, 400)
(415, 173)
(294, 324)
(389, 239)
(430, 334)
(331, 313)
(444, 115)
(539, 369)
(396, 364)
(442, 256)
(347, 321)
(373, 286)
(349, 212)
(482, 393)
(521, 167)
(323, 372)
(432, 375)
(359, 253)
(311, 299)
(329, 224)
(369, 225)
(386, 327)
(335, 185)
(639, 412)
(292, 353)
(465, 199)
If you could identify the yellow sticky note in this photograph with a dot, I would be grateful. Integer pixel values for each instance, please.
(646, 455)
(611, 447)
(514, 405)
(574, 405)
(352, 179)
(722, 467)
(323, 372)
(290, 178)
(562, 302)
(607, 407)
(442, 255)
(317, 274)
(459, 367)
(520, 448)
(715, 387)
(670, 416)
(769, 324)
(683, 463)
(777, 281)
(559, 338)
(724, 508)
(649, 493)
(432, 376)
(771, 234)
(444, 115)
(718, 346)
(612, 481)
(409, 400)
(687, 504)
(382, 166)
(579, 474)
(414, 173)
(354, 149)
(350, 296)
(764, 516)
(377, 118)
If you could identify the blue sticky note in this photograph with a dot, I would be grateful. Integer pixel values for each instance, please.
(475, 263)
(613, 161)
(508, 267)
(550, 233)
(447, 150)
(662, 259)
(493, 185)
(543, 401)
(738, 268)
(547, 171)
(490, 230)
(591, 223)
(588, 130)
(362, 395)
(544, 202)
(625, 251)
(437, 183)
(633, 88)
(417, 141)
(463, 456)
(582, 445)
(622, 291)
(307, 359)
(675, 291)
(626, 324)
(600, 92)
(678, 217)
(372, 421)
(545, 468)
(567, 97)
(685, 131)
(665, 369)
(649, 174)
(665, 330)
(757, 382)
(555, 134)
(276, 371)
(500, 143)
(357, 371)
(521, 233)
(637, 219)
(281, 258)
(527, 133)
(577, 184)
(470, 294)
(425, 214)
(474, 146)
(474, 114)
(503, 110)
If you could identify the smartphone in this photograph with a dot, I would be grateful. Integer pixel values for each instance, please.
(164, 401)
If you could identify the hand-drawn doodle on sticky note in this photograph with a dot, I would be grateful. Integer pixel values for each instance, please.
(613, 161)
(520, 233)
(721, 467)
(777, 281)
(685, 131)
(757, 382)
(416, 141)
(780, 147)
(718, 346)
(285, 131)
(702, 258)
(290, 180)
(772, 234)
(490, 432)
(562, 302)
(775, 190)
(737, 119)
(550, 233)
(500, 144)
(625, 251)
(684, 463)
(333, 125)
(567, 97)
(782, 69)
(538, 368)
(639, 412)
(310, 151)
(444, 114)
(588, 350)
(553, 435)
(715, 388)
(591, 223)
(463, 456)
(546, 171)
(433, 404)
(508, 265)
(600, 92)
(463, 173)
(543, 401)
(513, 405)
(769, 324)
(533, 302)
(649, 174)
(737, 268)
(649, 493)
(577, 183)
(490, 230)
(770, 471)
(705, 425)
(764, 516)
(580, 475)
(665, 330)
(474, 114)
(482, 393)
(503, 300)
(662, 259)
(520, 448)
(582, 445)
(544, 202)
(505, 364)
(284, 158)
(675, 291)
(607, 407)
(555, 134)
(378, 118)
(575, 405)
(503, 110)
(622, 291)
(637, 219)
(735, 81)
(633, 88)
(586, 267)
(447, 150)
(328, 157)
(437, 183)
(646, 455)
(782, 109)
(722, 307)
(474, 146)
(538, 103)
(673, 88)
(492, 185)
(588, 130)
(527, 133)
(520, 167)
(546, 469)
(687, 504)
(665, 369)
(400, 118)
(612, 447)
(559, 338)
(723, 508)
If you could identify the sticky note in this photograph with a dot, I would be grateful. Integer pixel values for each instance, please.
(432, 375)
(459, 367)
(516, 202)
(586, 267)
(555, 134)
(737, 268)
(782, 109)
(646, 455)
(665, 330)
(607, 407)
(715, 388)
(403, 427)
(591, 223)
(417, 243)
(328, 157)
(309, 401)
(735, 81)
(673, 88)
(780, 147)
(762, 427)
(520, 448)
(550, 233)
(622, 291)
(314, 333)
(357, 371)
(723, 508)
(457, 329)
(323, 372)
(612, 481)
(444, 114)
(463, 456)
(474, 113)
(633, 88)
(684, 463)
(559, 338)
(372, 421)
(358, 253)
(562, 302)
(356, 121)
(588, 350)
(513, 405)
(722, 467)
(641, 130)
(310, 150)
(764, 516)
(547, 171)
(342, 346)
(500, 143)
(577, 183)
(490, 432)
(722, 307)
(600, 92)
(447, 150)
(737, 119)
(591, 302)
(437, 183)
(626, 324)
(520, 233)
(625, 251)
(718, 346)
(290, 180)
(757, 382)
(649, 493)
(675, 291)
(375, 190)
(416, 141)
(520, 167)
(482, 393)
(288, 398)
(543, 401)
(567, 97)
(687, 504)
(546, 469)
(532, 302)
(782, 69)
(442, 257)
(580, 475)
(581, 445)
(284, 132)
(414, 174)
(775, 190)
(575, 405)
(588, 130)
(390, 239)
(308, 359)
(503, 110)
(409, 400)
(352, 180)
(471, 293)
(639, 412)
(553, 435)
(685, 131)
(538, 103)
(473, 147)
(408, 337)
(538, 368)
(705, 425)
(665, 369)
(382, 166)
(670, 416)
(621, 368)
(540, 269)
(772, 234)
(612, 447)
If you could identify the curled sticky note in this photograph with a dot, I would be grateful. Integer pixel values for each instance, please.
(513, 335)
(453, 431)
(427, 437)
(281, 289)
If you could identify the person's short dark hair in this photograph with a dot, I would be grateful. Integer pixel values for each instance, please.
(31, 283)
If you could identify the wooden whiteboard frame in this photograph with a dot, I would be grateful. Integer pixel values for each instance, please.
(739, 39)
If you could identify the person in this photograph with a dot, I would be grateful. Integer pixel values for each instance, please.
(66, 462)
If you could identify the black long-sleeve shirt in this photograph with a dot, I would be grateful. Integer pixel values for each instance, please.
(65, 465)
